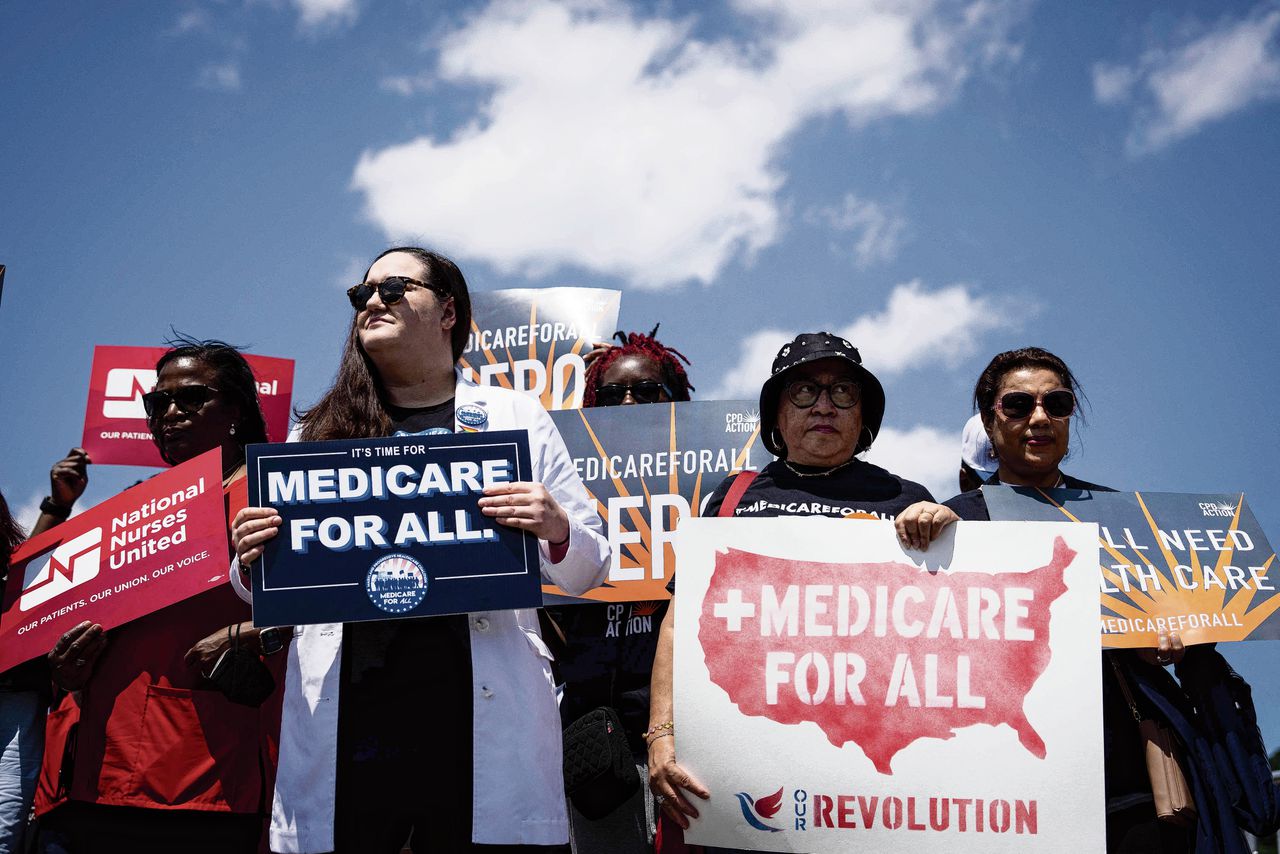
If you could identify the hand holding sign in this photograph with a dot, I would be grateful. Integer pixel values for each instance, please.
(252, 527)
(529, 507)
(72, 658)
(669, 781)
(68, 477)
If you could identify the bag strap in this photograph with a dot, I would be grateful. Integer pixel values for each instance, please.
(1124, 689)
(741, 481)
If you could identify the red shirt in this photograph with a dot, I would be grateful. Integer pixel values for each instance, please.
(151, 731)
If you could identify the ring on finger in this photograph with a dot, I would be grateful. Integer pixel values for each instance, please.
(80, 662)
(660, 799)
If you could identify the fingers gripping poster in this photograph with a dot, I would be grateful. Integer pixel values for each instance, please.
(836, 693)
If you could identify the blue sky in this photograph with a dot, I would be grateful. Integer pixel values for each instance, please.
(937, 180)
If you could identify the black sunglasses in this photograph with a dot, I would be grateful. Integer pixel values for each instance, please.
(1017, 405)
(844, 394)
(645, 391)
(390, 290)
(189, 398)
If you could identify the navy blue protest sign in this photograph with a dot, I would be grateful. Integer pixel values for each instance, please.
(376, 529)
(1198, 565)
(646, 468)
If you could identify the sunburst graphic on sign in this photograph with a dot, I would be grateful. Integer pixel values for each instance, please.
(639, 555)
(1205, 602)
(554, 375)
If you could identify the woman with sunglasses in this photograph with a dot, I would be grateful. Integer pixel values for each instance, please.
(142, 749)
(477, 761)
(819, 409)
(1026, 399)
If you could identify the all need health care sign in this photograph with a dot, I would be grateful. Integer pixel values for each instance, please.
(648, 467)
(375, 529)
(533, 339)
(1194, 564)
(115, 424)
(152, 545)
(836, 693)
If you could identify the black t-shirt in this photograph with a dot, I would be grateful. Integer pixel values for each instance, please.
(859, 489)
(415, 670)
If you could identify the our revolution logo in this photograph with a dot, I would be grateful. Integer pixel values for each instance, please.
(124, 390)
(756, 811)
(69, 565)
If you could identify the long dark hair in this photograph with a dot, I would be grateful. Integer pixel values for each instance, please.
(11, 535)
(984, 393)
(353, 407)
(236, 382)
(648, 346)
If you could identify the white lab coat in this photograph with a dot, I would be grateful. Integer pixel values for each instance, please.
(518, 788)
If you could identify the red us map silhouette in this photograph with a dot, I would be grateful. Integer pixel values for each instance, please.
(880, 654)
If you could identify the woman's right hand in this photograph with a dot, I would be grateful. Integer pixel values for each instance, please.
(72, 658)
(68, 478)
(252, 527)
(668, 781)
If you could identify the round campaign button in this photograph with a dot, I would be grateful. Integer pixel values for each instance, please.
(471, 416)
(396, 583)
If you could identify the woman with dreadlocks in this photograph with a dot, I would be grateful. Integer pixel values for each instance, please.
(612, 668)
(640, 370)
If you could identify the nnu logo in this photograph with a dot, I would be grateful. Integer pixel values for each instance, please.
(125, 388)
(69, 565)
(756, 811)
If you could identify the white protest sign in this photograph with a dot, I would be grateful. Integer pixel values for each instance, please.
(837, 693)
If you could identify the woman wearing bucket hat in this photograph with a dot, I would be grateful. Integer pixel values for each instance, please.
(819, 409)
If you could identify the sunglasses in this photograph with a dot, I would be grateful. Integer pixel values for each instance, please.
(189, 398)
(390, 291)
(646, 391)
(844, 394)
(1017, 405)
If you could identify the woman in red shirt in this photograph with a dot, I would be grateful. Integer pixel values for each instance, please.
(141, 747)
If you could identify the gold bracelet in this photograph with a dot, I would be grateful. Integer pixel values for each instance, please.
(649, 743)
(659, 728)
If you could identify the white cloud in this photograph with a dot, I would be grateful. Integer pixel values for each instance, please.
(28, 511)
(923, 454)
(878, 232)
(1181, 89)
(316, 14)
(406, 84)
(916, 325)
(194, 19)
(220, 76)
(623, 145)
(1112, 84)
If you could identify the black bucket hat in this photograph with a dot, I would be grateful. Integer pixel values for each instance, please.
(810, 347)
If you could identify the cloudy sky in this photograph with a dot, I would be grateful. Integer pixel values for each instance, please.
(936, 180)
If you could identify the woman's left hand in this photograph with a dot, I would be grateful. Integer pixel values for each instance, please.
(527, 506)
(205, 654)
(922, 522)
(1170, 651)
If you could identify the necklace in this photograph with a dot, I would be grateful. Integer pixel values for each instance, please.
(229, 475)
(822, 473)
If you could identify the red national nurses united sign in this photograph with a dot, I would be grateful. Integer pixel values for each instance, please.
(150, 546)
(115, 424)
(849, 695)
